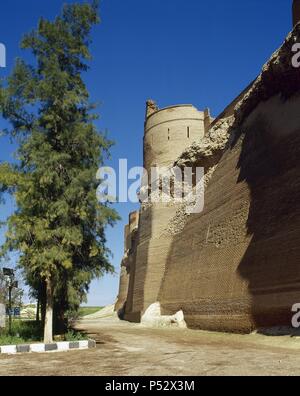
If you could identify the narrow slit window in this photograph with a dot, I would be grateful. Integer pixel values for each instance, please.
(188, 132)
(168, 133)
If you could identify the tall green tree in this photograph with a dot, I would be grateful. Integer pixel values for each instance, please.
(59, 226)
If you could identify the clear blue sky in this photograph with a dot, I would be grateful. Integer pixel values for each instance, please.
(174, 51)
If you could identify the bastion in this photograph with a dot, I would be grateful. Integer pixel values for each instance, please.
(234, 266)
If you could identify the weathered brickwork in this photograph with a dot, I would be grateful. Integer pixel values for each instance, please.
(235, 266)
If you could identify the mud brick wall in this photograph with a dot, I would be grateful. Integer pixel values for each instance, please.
(128, 261)
(236, 266)
(151, 255)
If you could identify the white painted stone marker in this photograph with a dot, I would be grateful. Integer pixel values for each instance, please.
(9, 349)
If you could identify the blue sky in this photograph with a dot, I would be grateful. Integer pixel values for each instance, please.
(174, 51)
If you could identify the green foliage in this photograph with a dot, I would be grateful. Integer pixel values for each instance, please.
(73, 335)
(76, 314)
(59, 227)
(22, 332)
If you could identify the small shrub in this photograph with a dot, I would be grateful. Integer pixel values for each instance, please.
(73, 335)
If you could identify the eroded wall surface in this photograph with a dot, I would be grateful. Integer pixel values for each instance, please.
(151, 255)
(128, 261)
(235, 267)
(167, 132)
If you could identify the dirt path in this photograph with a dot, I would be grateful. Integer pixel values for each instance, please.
(129, 349)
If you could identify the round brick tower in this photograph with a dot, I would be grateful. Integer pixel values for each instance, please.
(169, 131)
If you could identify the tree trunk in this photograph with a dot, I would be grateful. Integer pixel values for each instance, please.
(48, 328)
(43, 302)
(37, 318)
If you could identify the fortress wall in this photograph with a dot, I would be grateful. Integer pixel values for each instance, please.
(129, 314)
(127, 238)
(235, 267)
(131, 280)
(133, 221)
(123, 287)
(151, 255)
(169, 131)
(229, 110)
(128, 259)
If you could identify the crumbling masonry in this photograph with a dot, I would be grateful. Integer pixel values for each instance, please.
(235, 266)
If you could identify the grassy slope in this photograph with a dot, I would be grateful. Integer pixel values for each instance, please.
(84, 311)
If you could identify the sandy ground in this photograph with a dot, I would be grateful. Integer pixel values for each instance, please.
(129, 349)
